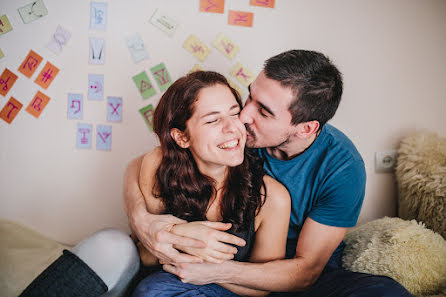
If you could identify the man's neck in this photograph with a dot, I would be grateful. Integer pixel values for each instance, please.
(292, 149)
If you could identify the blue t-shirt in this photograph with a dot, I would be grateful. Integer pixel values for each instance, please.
(326, 183)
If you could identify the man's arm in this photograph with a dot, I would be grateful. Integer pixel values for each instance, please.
(316, 244)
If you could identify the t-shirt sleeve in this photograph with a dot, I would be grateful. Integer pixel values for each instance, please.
(341, 195)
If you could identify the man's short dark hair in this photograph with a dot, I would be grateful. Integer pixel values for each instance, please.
(316, 82)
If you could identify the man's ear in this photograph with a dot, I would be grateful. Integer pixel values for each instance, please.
(307, 129)
(179, 137)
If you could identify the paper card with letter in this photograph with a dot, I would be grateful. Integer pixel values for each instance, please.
(10, 110)
(240, 18)
(196, 47)
(7, 80)
(5, 25)
(75, 106)
(30, 64)
(144, 85)
(162, 76)
(97, 51)
(242, 74)
(216, 6)
(197, 67)
(262, 3)
(114, 109)
(59, 40)
(33, 11)
(84, 136)
(38, 104)
(225, 46)
(236, 87)
(95, 87)
(103, 137)
(147, 114)
(98, 16)
(137, 48)
(1, 54)
(164, 22)
(47, 75)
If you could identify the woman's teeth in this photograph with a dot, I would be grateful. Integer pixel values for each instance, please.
(229, 144)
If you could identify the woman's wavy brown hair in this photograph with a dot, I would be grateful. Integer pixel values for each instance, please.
(184, 191)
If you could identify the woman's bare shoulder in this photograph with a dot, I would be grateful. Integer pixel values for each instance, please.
(277, 196)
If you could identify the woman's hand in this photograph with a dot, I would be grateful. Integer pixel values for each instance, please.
(218, 248)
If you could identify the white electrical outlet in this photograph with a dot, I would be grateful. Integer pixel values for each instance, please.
(385, 161)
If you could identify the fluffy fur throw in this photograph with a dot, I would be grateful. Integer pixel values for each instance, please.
(421, 177)
(403, 250)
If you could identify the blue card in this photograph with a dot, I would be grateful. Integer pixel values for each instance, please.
(84, 136)
(98, 16)
(103, 137)
(95, 86)
(75, 106)
(114, 109)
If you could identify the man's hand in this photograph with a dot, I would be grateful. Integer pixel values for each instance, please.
(217, 242)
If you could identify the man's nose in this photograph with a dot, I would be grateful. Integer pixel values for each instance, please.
(245, 114)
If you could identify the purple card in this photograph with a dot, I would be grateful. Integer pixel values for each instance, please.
(95, 86)
(84, 135)
(103, 137)
(75, 106)
(114, 109)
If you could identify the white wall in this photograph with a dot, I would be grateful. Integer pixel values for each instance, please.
(392, 55)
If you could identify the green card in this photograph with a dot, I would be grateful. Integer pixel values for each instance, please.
(162, 76)
(33, 11)
(5, 25)
(144, 85)
(147, 114)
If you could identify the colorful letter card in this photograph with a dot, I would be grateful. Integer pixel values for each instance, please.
(196, 47)
(240, 18)
(10, 110)
(225, 46)
(97, 51)
(243, 75)
(95, 87)
(163, 22)
(47, 75)
(59, 40)
(1, 54)
(144, 85)
(147, 114)
(5, 25)
(37, 105)
(137, 48)
(217, 6)
(7, 80)
(114, 109)
(103, 137)
(263, 3)
(162, 76)
(98, 16)
(30, 64)
(196, 67)
(236, 87)
(75, 106)
(33, 11)
(84, 135)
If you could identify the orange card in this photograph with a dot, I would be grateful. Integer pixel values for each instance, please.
(6, 81)
(30, 64)
(47, 75)
(217, 6)
(263, 3)
(38, 104)
(10, 110)
(240, 18)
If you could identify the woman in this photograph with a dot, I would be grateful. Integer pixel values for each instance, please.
(202, 172)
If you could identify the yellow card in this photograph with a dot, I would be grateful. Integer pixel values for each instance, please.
(5, 25)
(225, 46)
(237, 88)
(1, 54)
(197, 67)
(196, 47)
(242, 74)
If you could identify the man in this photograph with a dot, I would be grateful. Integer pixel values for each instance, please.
(285, 114)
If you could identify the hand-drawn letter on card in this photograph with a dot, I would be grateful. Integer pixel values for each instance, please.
(217, 6)
(147, 114)
(144, 85)
(163, 22)
(225, 46)
(10, 110)
(240, 18)
(162, 76)
(196, 47)
(103, 137)
(30, 64)
(114, 109)
(137, 48)
(262, 3)
(47, 75)
(59, 40)
(95, 87)
(84, 136)
(98, 16)
(243, 75)
(7, 80)
(5, 25)
(75, 106)
(37, 105)
(97, 51)
(33, 11)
